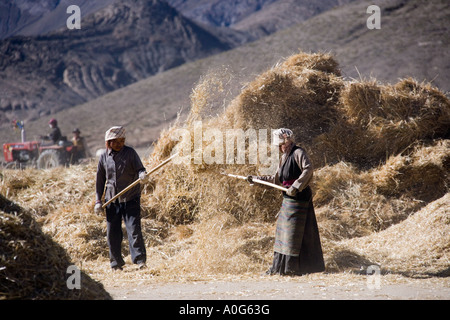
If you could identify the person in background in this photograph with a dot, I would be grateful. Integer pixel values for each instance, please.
(81, 150)
(118, 167)
(55, 135)
(297, 248)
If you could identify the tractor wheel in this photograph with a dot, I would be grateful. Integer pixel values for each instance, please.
(12, 165)
(49, 159)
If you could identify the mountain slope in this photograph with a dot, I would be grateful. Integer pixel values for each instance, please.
(256, 18)
(31, 18)
(153, 103)
(116, 46)
(120, 43)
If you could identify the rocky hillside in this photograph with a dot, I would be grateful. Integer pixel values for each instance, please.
(412, 42)
(32, 18)
(116, 46)
(46, 67)
(255, 18)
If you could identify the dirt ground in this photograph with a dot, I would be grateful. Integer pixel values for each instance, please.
(311, 287)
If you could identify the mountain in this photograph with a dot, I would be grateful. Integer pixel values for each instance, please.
(32, 18)
(412, 42)
(239, 21)
(46, 67)
(255, 18)
(116, 46)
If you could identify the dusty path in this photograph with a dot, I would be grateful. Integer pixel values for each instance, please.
(312, 287)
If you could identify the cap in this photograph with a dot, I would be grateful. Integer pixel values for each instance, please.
(115, 132)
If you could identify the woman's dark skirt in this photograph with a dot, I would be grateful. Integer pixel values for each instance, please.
(297, 248)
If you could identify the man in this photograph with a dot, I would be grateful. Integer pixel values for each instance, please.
(297, 248)
(81, 150)
(118, 167)
(55, 135)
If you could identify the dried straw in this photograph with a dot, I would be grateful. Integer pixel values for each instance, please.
(377, 121)
(381, 154)
(32, 265)
(418, 246)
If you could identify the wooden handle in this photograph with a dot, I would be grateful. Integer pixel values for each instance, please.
(138, 180)
(273, 185)
(270, 184)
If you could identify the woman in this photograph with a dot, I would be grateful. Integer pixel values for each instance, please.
(297, 248)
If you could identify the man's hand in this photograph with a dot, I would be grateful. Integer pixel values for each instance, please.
(143, 176)
(98, 207)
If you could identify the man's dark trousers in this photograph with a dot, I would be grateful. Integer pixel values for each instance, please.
(130, 212)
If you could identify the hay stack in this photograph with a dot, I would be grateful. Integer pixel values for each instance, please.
(348, 204)
(361, 122)
(355, 203)
(44, 191)
(377, 121)
(423, 174)
(298, 93)
(418, 246)
(32, 265)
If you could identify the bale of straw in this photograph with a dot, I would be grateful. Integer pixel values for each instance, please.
(322, 62)
(297, 94)
(354, 203)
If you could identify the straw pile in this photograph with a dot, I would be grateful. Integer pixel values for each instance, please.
(377, 121)
(299, 93)
(381, 154)
(32, 265)
(382, 196)
(418, 246)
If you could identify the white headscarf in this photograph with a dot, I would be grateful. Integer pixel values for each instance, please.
(280, 135)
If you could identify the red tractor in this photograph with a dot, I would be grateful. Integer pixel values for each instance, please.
(34, 153)
(41, 155)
